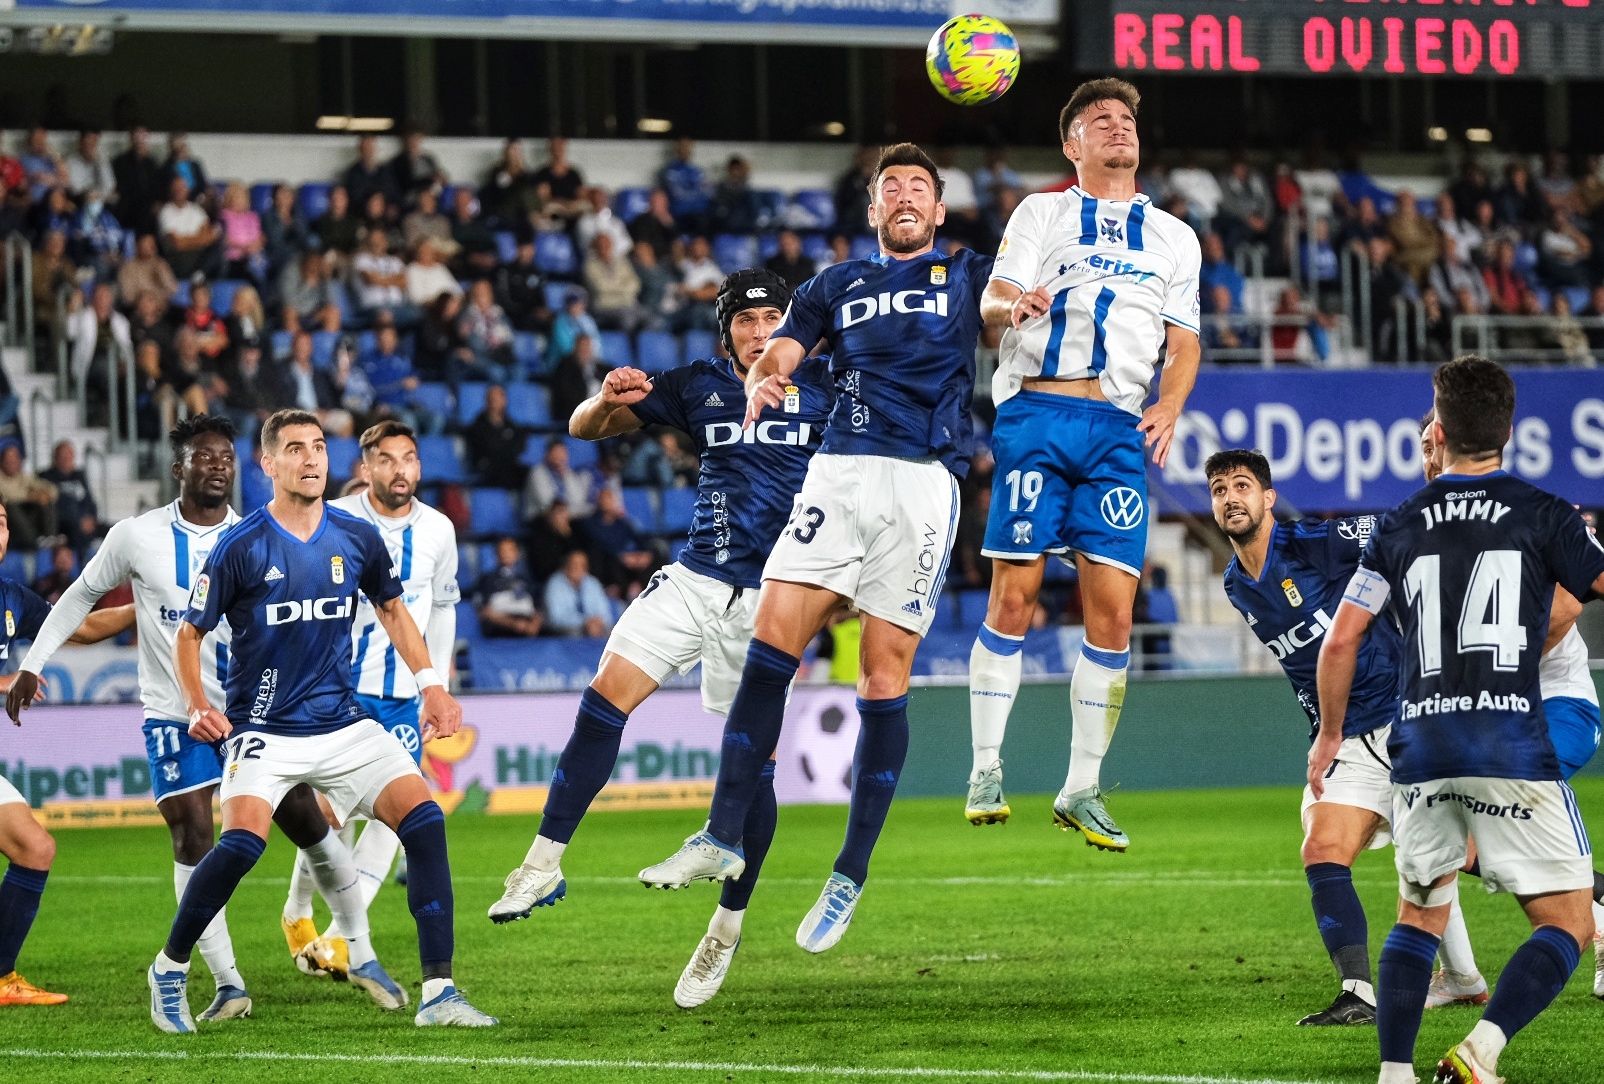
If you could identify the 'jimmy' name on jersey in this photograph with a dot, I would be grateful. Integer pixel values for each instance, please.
(1292, 603)
(1468, 565)
(291, 605)
(902, 337)
(749, 476)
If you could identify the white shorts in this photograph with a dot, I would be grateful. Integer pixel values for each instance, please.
(350, 766)
(875, 530)
(1529, 834)
(1361, 776)
(9, 793)
(682, 618)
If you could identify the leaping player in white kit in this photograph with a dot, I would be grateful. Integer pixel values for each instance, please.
(1092, 286)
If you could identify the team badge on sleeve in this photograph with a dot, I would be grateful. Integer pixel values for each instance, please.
(203, 587)
(1294, 596)
(11, 624)
(337, 568)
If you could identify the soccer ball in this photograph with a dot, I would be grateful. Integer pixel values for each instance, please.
(972, 59)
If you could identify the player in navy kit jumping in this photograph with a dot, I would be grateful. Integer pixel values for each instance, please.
(286, 579)
(700, 608)
(1468, 566)
(873, 524)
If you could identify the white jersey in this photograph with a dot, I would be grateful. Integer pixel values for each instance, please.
(161, 553)
(1117, 271)
(423, 545)
(1563, 671)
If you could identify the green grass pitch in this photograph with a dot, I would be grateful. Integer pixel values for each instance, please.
(1002, 953)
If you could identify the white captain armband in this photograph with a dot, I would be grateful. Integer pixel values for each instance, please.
(427, 678)
(1368, 590)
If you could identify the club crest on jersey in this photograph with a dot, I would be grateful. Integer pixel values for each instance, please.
(1022, 532)
(203, 587)
(793, 399)
(337, 568)
(938, 275)
(1002, 248)
(1113, 232)
(11, 624)
(1294, 596)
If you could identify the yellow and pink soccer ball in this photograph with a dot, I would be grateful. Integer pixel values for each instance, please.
(972, 59)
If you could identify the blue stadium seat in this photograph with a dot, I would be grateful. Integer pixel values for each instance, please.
(494, 511)
(16, 565)
(280, 342)
(554, 254)
(470, 401)
(815, 246)
(770, 206)
(181, 295)
(529, 404)
(343, 454)
(656, 351)
(1578, 296)
(557, 294)
(865, 247)
(434, 398)
(314, 198)
(527, 348)
(630, 203)
(534, 449)
(223, 291)
(443, 460)
(323, 344)
(699, 344)
(487, 557)
(641, 505)
(768, 246)
(1526, 258)
(616, 349)
(1544, 296)
(813, 207)
(448, 197)
(733, 251)
(678, 506)
(506, 246)
(467, 565)
(582, 454)
(467, 616)
(262, 197)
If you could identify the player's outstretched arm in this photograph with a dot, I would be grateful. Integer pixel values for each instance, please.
(206, 723)
(441, 715)
(104, 624)
(1006, 305)
(1562, 617)
(607, 414)
(766, 379)
(1183, 351)
(1339, 657)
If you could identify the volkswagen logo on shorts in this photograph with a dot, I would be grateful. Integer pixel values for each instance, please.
(407, 735)
(1122, 508)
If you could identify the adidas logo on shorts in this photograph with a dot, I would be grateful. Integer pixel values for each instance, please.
(273, 574)
(912, 608)
(713, 400)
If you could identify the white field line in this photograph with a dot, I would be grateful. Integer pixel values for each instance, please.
(831, 1072)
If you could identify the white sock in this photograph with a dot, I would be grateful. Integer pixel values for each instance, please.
(725, 928)
(433, 988)
(1397, 1072)
(373, 856)
(215, 945)
(995, 663)
(1096, 694)
(544, 853)
(298, 904)
(1365, 991)
(1488, 1041)
(165, 963)
(1455, 951)
(1598, 920)
(341, 888)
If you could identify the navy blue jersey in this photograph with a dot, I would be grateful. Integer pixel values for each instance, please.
(748, 477)
(1468, 567)
(25, 612)
(1291, 604)
(902, 337)
(291, 605)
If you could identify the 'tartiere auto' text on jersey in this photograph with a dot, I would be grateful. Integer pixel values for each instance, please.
(1468, 565)
(748, 476)
(902, 337)
(1117, 271)
(291, 605)
(161, 554)
(1290, 607)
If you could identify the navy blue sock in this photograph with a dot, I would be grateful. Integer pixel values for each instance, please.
(584, 767)
(210, 886)
(1598, 887)
(758, 834)
(751, 731)
(1533, 977)
(423, 834)
(20, 890)
(882, 747)
(1406, 960)
(1341, 919)
(1474, 869)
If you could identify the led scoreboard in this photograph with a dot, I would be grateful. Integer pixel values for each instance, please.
(1537, 39)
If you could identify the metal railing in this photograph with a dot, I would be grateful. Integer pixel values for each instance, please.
(1355, 274)
(1409, 325)
(1481, 334)
(63, 348)
(94, 456)
(41, 434)
(1264, 351)
(16, 270)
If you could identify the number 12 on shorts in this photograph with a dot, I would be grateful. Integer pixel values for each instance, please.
(245, 747)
